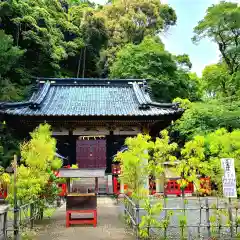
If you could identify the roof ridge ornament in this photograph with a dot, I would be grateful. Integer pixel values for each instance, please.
(41, 96)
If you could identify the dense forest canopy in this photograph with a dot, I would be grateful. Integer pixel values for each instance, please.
(121, 39)
(81, 39)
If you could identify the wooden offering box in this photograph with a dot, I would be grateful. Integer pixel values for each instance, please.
(79, 199)
(81, 203)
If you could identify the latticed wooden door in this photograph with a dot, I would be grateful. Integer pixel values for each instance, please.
(91, 153)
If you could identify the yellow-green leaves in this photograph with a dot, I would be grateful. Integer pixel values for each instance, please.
(40, 150)
(134, 163)
(38, 159)
(184, 103)
(143, 158)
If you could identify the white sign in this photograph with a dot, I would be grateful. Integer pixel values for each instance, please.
(229, 178)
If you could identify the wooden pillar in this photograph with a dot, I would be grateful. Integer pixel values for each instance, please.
(96, 185)
(72, 147)
(68, 185)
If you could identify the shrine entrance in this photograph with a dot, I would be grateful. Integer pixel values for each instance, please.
(91, 153)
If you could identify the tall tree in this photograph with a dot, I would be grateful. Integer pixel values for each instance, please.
(215, 80)
(9, 56)
(130, 21)
(149, 60)
(43, 29)
(221, 24)
(94, 35)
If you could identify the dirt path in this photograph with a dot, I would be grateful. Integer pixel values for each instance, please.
(109, 225)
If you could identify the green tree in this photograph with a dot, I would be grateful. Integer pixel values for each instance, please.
(9, 56)
(149, 60)
(9, 144)
(193, 162)
(204, 117)
(217, 82)
(130, 21)
(37, 157)
(143, 158)
(223, 144)
(183, 61)
(221, 24)
(42, 28)
(94, 35)
(134, 164)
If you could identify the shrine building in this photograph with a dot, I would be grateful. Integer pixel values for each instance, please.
(90, 118)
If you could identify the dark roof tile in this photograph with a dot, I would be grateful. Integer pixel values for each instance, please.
(76, 97)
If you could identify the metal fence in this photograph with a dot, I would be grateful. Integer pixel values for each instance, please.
(189, 218)
(3, 221)
(22, 218)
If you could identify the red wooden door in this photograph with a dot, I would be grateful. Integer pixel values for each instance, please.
(91, 153)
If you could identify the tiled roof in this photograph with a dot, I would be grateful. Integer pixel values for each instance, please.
(89, 97)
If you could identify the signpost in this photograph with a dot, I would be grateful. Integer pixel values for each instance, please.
(229, 178)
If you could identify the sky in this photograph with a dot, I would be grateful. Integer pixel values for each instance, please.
(178, 38)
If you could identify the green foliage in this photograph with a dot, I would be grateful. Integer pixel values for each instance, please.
(130, 21)
(145, 157)
(9, 56)
(42, 24)
(75, 166)
(221, 24)
(33, 175)
(217, 218)
(201, 156)
(162, 151)
(218, 82)
(183, 103)
(56, 164)
(182, 223)
(134, 164)
(58, 38)
(193, 162)
(204, 117)
(4, 177)
(184, 61)
(222, 144)
(48, 213)
(149, 220)
(9, 144)
(149, 60)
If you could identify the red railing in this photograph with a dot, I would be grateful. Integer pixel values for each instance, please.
(173, 188)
